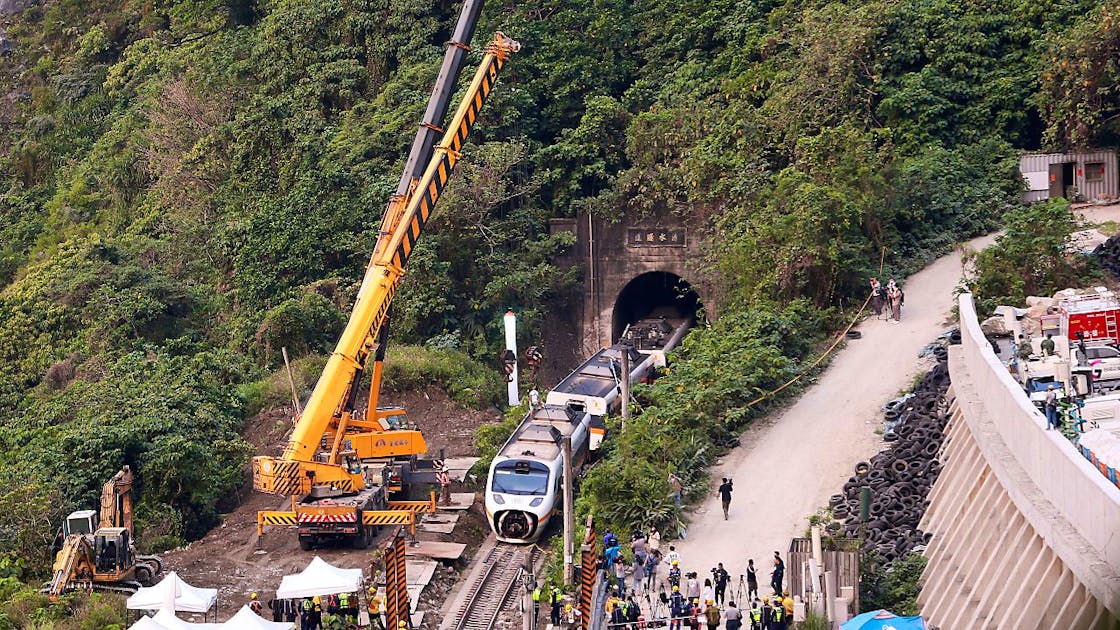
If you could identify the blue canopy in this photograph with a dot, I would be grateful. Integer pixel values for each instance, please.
(883, 620)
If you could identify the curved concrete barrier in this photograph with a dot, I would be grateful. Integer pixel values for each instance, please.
(1026, 531)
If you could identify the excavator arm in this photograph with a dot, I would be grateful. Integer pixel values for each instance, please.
(297, 470)
(116, 501)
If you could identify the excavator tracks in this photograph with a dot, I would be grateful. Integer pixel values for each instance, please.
(489, 594)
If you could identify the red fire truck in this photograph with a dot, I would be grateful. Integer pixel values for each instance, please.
(1095, 316)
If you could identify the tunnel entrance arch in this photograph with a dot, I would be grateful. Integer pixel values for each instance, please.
(653, 294)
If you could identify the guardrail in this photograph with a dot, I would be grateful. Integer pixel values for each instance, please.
(1060, 493)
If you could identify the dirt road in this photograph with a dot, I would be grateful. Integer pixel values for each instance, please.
(790, 463)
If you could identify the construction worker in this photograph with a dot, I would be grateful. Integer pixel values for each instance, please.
(255, 605)
(307, 614)
(373, 606)
(778, 616)
(756, 615)
(555, 599)
(767, 612)
(787, 603)
(677, 608)
(344, 606)
(536, 602)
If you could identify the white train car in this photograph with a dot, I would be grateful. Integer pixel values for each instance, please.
(523, 488)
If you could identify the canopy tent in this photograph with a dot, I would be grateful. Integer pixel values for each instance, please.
(146, 623)
(173, 592)
(246, 619)
(319, 578)
(168, 620)
(882, 620)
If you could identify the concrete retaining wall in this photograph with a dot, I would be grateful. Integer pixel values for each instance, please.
(1026, 532)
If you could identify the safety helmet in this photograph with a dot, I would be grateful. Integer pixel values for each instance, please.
(253, 596)
(765, 599)
(708, 602)
(402, 624)
(373, 589)
(676, 589)
(676, 562)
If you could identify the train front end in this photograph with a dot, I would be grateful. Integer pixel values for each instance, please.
(520, 499)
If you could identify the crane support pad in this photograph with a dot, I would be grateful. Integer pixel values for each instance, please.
(276, 518)
(389, 517)
(418, 507)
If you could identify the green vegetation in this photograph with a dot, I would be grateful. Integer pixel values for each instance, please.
(1034, 256)
(189, 185)
(896, 588)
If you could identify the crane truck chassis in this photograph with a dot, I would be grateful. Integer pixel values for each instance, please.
(338, 466)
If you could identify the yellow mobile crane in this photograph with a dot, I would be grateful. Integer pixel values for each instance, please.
(335, 465)
(103, 558)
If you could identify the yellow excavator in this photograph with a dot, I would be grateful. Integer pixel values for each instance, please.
(104, 557)
(340, 463)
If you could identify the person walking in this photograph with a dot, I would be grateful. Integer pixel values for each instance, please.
(752, 580)
(654, 539)
(722, 578)
(676, 488)
(692, 587)
(725, 495)
(534, 398)
(778, 574)
(894, 296)
(1051, 406)
(876, 296)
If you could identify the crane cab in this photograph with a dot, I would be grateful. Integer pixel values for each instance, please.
(80, 522)
(112, 550)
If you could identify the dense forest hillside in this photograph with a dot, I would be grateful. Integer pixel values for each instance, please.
(188, 185)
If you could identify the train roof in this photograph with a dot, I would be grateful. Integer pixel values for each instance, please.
(655, 333)
(599, 374)
(539, 434)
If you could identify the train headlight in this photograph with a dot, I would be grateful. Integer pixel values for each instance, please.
(535, 502)
(498, 499)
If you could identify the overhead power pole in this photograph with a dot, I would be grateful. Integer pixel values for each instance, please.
(625, 385)
(569, 512)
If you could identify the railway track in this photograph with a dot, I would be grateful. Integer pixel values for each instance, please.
(489, 593)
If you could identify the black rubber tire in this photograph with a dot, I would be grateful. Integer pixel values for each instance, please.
(862, 468)
(853, 334)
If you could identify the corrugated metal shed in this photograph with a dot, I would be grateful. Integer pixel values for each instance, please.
(1085, 175)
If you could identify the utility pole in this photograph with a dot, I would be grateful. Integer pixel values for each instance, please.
(625, 385)
(569, 512)
(529, 619)
(291, 381)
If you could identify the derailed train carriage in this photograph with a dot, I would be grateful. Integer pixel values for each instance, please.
(523, 488)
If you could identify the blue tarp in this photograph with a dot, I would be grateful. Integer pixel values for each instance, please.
(883, 620)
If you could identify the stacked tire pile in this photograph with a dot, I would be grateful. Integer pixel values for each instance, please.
(1108, 253)
(900, 477)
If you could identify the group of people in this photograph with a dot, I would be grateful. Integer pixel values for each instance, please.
(682, 599)
(890, 296)
(338, 611)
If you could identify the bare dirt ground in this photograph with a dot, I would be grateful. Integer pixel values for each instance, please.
(226, 557)
(790, 463)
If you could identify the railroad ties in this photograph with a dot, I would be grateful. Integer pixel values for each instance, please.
(489, 593)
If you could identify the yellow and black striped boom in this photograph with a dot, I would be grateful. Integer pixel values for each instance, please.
(401, 227)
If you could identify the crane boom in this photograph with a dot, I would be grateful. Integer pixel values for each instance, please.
(401, 227)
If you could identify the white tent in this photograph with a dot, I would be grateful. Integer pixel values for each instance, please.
(168, 620)
(173, 591)
(246, 619)
(146, 623)
(319, 578)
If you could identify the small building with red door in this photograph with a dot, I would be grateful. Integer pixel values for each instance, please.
(1081, 176)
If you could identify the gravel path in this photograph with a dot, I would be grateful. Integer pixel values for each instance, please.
(792, 461)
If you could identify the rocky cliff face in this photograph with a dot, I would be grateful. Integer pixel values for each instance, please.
(8, 7)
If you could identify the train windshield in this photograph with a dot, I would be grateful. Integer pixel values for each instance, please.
(521, 477)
